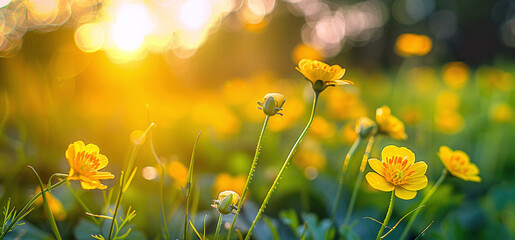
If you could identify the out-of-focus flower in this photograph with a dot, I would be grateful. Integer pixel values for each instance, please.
(365, 127)
(449, 121)
(343, 104)
(495, 79)
(302, 51)
(447, 100)
(409, 44)
(178, 172)
(389, 124)
(412, 115)
(272, 104)
(348, 133)
(311, 158)
(291, 114)
(85, 161)
(397, 172)
(321, 75)
(456, 74)
(226, 202)
(321, 128)
(56, 207)
(458, 163)
(501, 113)
(225, 181)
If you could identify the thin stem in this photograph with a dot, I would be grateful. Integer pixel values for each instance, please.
(349, 155)
(251, 173)
(218, 226)
(283, 168)
(359, 179)
(27, 207)
(164, 225)
(84, 206)
(424, 200)
(388, 215)
(51, 219)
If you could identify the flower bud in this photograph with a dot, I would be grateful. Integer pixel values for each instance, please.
(226, 202)
(365, 127)
(272, 104)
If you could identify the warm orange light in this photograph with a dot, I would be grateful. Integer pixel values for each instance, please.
(410, 44)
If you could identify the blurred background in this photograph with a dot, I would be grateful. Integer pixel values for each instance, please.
(87, 70)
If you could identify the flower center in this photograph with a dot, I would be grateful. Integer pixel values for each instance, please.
(397, 170)
(86, 162)
(458, 164)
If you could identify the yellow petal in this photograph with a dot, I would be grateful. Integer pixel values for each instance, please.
(445, 154)
(474, 179)
(472, 169)
(419, 168)
(404, 193)
(92, 149)
(378, 182)
(390, 151)
(415, 184)
(376, 165)
(102, 161)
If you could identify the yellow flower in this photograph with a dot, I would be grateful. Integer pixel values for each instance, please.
(409, 44)
(458, 163)
(321, 75)
(501, 113)
(389, 124)
(456, 74)
(226, 202)
(397, 172)
(449, 121)
(85, 161)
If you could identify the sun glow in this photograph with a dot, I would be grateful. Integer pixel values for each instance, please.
(132, 24)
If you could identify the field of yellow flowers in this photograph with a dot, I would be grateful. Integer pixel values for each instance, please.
(256, 119)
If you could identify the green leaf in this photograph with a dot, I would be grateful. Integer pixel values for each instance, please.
(346, 233)
(290, 218)
(273, 229)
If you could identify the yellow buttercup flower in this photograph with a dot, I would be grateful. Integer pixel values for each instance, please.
(458, 163)
(321, 75)
(397, 172)
(389, 124)
(85, 161)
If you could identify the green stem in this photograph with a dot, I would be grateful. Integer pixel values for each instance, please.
(251, 173)
(51, 219)
(285, 165)
(218, 226)
(187, 190)
(84, 206)
(359, 179)
(27, 207)
(123, 179)
(428, 195)
(349, 155)
(388, 215)
(164, 225)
